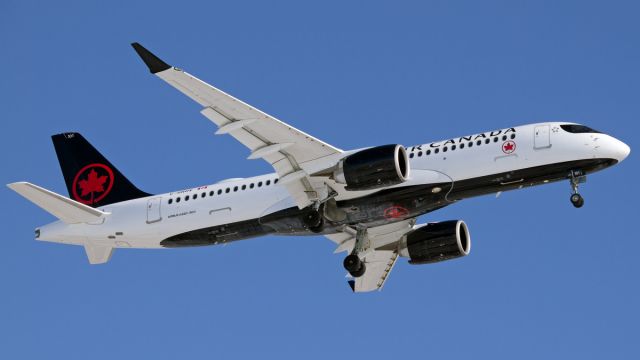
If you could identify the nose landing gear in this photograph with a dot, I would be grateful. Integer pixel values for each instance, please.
(577, 200)
(576, 178)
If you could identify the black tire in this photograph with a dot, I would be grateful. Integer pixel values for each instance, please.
(577, 200)
(354, 265)
(360, 271)
(318, 228)
(312, 219)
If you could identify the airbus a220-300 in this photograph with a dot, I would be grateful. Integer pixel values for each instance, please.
(366, 200)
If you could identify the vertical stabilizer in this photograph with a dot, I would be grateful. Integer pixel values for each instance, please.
(91, 179)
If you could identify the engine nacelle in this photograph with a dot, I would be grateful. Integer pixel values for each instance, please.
(373, 168)
(436, 242)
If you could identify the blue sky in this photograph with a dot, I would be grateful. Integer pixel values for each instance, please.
(543, 279)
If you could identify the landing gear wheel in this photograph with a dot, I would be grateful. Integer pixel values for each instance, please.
(354, 265)
(577, 200)
(313, 220)
(317, 228)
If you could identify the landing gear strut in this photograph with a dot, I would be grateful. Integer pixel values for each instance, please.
(353, 263)
(576, 178)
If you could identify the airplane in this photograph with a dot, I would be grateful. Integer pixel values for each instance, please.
(365, 200)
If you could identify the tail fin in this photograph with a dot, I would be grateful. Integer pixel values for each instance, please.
(90, 177)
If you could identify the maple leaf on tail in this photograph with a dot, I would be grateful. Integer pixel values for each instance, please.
(93, 183)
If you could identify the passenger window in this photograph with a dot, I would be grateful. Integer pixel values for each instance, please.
(186, 198)
(487, 141)
(195, 196)
(428, 152)
(495, 139)
(235, 188)
(504, 137)
(244, 187)
(444, 149)
(211, 193)
(462, 146)
(513, 136)
(453, 147)
(268, 182)
(470, 144)
(275, 181)
(177, 200)
(479, 142)
(170, 201)
(219, 191)
(203, 194)
(436, 150)
(419, 153)
(227, 190)
(411, 156)
(259, 183)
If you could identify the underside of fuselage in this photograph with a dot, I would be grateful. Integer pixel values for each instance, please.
(387, 206)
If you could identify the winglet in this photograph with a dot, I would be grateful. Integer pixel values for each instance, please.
(352, 285)
(154, 63)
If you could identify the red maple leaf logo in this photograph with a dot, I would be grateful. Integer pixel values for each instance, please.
(93, 183)
(395, 212)
(508, 147)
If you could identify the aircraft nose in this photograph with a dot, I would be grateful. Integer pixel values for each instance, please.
(622, 150)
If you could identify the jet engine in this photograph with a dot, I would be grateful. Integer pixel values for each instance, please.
(373, 168)
(436, 242)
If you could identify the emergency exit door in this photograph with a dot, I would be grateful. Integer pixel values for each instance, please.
(542, 137)
(153, 210)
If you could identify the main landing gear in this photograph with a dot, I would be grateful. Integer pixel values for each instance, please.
(313, 220)
(353, 263)
(576, 178)
(321, 210)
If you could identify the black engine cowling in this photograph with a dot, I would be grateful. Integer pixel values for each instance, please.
(373, 168)
(436, 242)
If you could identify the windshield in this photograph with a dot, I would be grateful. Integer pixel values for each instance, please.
(578, 129)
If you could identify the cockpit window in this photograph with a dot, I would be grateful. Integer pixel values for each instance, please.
(578, 129)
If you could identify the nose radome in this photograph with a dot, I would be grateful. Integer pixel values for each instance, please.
(622, 150)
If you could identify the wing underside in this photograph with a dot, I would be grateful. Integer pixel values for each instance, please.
(380, 258)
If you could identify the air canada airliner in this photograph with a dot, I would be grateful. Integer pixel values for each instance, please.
(366, 200)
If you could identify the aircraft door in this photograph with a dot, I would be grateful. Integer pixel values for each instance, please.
(542, 137)
(153, 210)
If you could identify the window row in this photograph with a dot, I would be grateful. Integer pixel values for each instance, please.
(460, 146)
(221, 191)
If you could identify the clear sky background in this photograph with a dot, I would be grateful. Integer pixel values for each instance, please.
(543, 280)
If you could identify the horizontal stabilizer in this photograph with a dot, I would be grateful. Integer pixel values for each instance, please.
(65, 209)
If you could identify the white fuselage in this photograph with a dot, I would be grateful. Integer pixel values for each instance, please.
(145, 222)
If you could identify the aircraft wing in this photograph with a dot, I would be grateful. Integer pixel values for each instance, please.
(380, 258)
(286, 148)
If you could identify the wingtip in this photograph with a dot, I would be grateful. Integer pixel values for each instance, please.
(13, 185)
(154, 63)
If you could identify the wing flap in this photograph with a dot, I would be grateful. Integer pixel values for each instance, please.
(379, 264)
